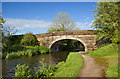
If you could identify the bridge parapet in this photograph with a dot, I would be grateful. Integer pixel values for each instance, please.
(74, 32)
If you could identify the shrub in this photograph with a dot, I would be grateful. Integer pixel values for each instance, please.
(29, 40)
(36, 50)
(13, 55)
(17, 47)
(39, 49)
(44, 50)
(12, 43)
(23, 71)
(45, 71)
(30, 52)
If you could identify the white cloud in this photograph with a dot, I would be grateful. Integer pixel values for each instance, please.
(83, 25)
(38, 26)
(25, 23)
(91, 23)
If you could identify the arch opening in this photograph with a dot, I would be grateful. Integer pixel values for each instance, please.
(68, 45)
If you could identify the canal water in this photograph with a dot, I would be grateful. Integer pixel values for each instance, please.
(8, 66)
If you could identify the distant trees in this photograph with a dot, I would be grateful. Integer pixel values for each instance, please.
(107, 21)
(62, 22)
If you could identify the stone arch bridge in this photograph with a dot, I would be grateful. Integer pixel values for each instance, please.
(86, 37)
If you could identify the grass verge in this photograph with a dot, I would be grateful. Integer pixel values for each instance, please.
(110, 54)
(71, 67)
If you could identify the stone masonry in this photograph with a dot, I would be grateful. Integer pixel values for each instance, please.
(86, 37)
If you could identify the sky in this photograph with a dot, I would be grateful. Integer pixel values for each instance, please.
(51, 0)
(36, 17)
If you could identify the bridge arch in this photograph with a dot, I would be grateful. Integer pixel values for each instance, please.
(71, 38)
(86, 37)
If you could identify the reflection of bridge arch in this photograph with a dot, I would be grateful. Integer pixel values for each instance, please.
(86, 37)
(65, 38)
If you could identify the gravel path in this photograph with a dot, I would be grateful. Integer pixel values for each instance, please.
(91, 68)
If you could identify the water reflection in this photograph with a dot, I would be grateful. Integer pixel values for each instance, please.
(8, 66)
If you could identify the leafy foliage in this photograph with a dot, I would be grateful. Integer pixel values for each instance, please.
(29, 51)
(1, 33)
(12, 43)
(45, 71)
(29, 40)
(107, 21)
(1, 20)
(23, 71)
(26, 72)
(39, 49)
(62, 23)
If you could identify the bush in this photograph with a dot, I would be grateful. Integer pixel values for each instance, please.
(29, 40)
(30, 51)
(23, 71)
(12, 43)
(44, 50)
(13, 55)
(44, 72)
(17, 47)
(39, 49)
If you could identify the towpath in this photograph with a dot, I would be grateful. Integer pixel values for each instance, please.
(91, 68)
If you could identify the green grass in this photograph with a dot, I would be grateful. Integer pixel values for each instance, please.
(107, 50)
(110, 56)
(71, 67)
(112, 70)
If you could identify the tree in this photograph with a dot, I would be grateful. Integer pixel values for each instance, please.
(1, 33)
(62, 23)
(7, 35)
(1, 24)
(9, 30)
(107, 21)
(1, 20)
(29, 40)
